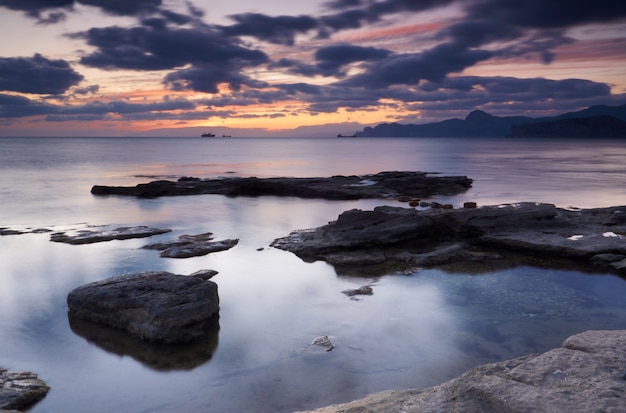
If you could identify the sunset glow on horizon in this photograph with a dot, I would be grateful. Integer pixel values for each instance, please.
(84, 68)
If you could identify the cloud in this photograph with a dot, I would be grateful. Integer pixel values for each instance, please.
(35, 8)
(206, 56)
(332, 60)
(37, 75)
(546, 14)
(410, 69)
(277, 30)
(12, 106)
(124, 7)
(88, 90)
(353, 14)
(205, 78)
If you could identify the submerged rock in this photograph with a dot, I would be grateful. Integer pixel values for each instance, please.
(381, 185)
(323, 342)
(89, 236)
(192, 246)
(444, 236)
(155, 306)
(364, 290)
(584, 375)
(19, 391)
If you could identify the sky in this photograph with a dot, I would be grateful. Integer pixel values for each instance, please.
(125, 68)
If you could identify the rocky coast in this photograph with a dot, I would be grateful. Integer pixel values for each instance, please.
(585, 374)
(395, 237)
(147, 314)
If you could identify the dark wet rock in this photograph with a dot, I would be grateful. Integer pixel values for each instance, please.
(20, 391)
(9, 231)
(584, 375)
(364, 290)
(90, 236)
(380, 185)
(204, 274)
(157, 356)
(323, 342)
(192, 246)
(155, 306)
(469, 205)
(441, 236)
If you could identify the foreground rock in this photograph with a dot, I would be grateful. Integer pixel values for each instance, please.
(19, 391)
(380, 185)
(155, 306)
(408, 237)
(584, 375)
(192, 246)
(106, 234)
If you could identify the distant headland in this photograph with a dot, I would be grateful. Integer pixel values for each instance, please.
(594, 122)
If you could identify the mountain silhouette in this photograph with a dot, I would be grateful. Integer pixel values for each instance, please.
(608, 121)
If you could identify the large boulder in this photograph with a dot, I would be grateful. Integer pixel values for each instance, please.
(586, 374)
(156, 306)
(21, 390)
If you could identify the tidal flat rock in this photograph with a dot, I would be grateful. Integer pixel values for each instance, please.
(155, 306)
(445, 236)
(90, 236)
(19, 391)
(381, 185)
(192, 246)
(585, 374)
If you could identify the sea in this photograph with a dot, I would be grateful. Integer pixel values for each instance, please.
(418, 329)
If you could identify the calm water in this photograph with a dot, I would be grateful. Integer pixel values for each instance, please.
(416, 330)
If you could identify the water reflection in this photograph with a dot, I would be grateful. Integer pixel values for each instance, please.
(161, 357)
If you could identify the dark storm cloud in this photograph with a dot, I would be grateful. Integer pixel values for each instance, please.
(211, 58)
(547, 14)
(36, 74)
(353, 14)
(207, 78)
(35, 8)
(278, 30)
(18, 107)
(124, 7)
(335, 56)
(458, 93)
(35, 5)
(410, 69)
(331, 60)
(91, 89)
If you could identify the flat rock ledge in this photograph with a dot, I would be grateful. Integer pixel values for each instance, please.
(90, 236)
(187, 246)
(155, 306)
(395, 236)
(586, 374)
(19, 391)
(381, 185)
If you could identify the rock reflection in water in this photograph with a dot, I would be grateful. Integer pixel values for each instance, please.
(157, 356)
